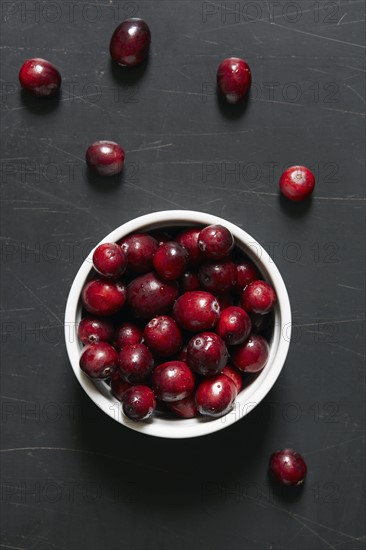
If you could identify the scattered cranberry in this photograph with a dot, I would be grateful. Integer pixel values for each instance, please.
(217, 277)
(225, 300)
(189, 240)
(173, 381)
(118, 386)
(40, 77)
(234, 79)
(149, 296)
(215, 242)
(207, 353)
(185, 408)
(140, 249)
(105, 157)
(103, 297)
(196, 311)
(234, 375)
(189, 282)
(91, 330)
(163, 336)
(99, 360)
(246, 273)
(135, 362)
(234, 325)
(252, 355)
(288, 466)
(170, 260)
(215, 396)
(128, 333)
(258, 297)
(297, 183)
(130, 42)
(109, 260)
(138, 402)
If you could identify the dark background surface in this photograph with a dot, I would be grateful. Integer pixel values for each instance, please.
(71, 477)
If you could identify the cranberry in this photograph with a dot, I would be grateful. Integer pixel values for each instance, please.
(189, 240)
(207, 353)
(215, 396)
(188, 282)
(127, 333)
(109, 260)
(252, 355)
(40, 77)
(234, 325)
(105, 157)
(170, 260)
(173, 381)
(138, 402)
(91, 330)
(135, 362)
(149, 296)
(99, 360)
(215, 242)
(163, 336)
(234, 79)
(103, 297)
(185, 408)
(217, 277)
(195, 311)
(234, 375)
(130, 42)
(297, 183)
(225, 300)
(288, 466)
(118, 386)
(246, 273)
(140, 249)
(258, 297)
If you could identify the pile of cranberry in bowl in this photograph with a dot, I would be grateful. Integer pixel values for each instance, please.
(177, 324)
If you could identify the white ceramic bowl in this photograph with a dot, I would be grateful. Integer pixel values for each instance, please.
(249, 397)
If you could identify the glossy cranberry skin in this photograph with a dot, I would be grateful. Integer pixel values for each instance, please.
(99, 361)
(170, 261)
(138, 403)
(173, 381)
(135, 363)
(258, 297)
(105, 157)
(163, 336)
(218, 277)
(207, 353)
(234, 326)
(234, 79)
(127, 333)
(189, 282)
(148, 296)
(297, 183)
(119, 386)
(40, 77)
(103, 297)
(189, 240)
(246, 273)
(109, 260)
(130, 42)
(91, 330)
(196, 311)
(140, 249)
(185, 408)
(288, 466)
(252, 355)
(215, 242)
(215, 396)
(234, 375)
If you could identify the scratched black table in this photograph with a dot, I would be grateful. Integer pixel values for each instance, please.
(73, 478)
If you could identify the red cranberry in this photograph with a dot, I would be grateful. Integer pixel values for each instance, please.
(163, 336)
(40, 77)
(189, 240)
(91, 330)
(173, 381)
(170, 260)
(217, 277)
(103, 297)
(149, 296)
(234, 325)
(207, 353)
(288, 466)
(234, 79)
(127, 333)
(215, 396)
(105, 157)
(189, 282)
(135, 362)
(246, 273)
(297, 183)
(130, 42)
(99, 360)
(215, 242)
(225, 300)
(109, 260)
(118, 386)
(258, 297)
(185, 408)
(252, 355)
(138, 402)
(234, 375)
(140, 249)
(196, 311)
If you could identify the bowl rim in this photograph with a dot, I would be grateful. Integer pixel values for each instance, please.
(250, 396)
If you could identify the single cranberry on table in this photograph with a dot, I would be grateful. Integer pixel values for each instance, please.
(234, 375)
(118, 386)
(130, 42)
(40, 77)
(215, 242)
(288, 466)
(234, 325)
(251, 356)
(109, 260)
(140, 249)
(258, 297)
(215, 396)
(196, 311)
(163, 336)
(127, 333)
(246, 273)
(185, 408)
(234, 78)
(189, 240)
(138, 402)
(103, 297)
(92, 329)
(135, 363)
(105, 157)
(99, 360)
(173, 381)
(189, 282)
(148, 296)
(218, 277)
(297, 183)
(207, 353)
(170, 260)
